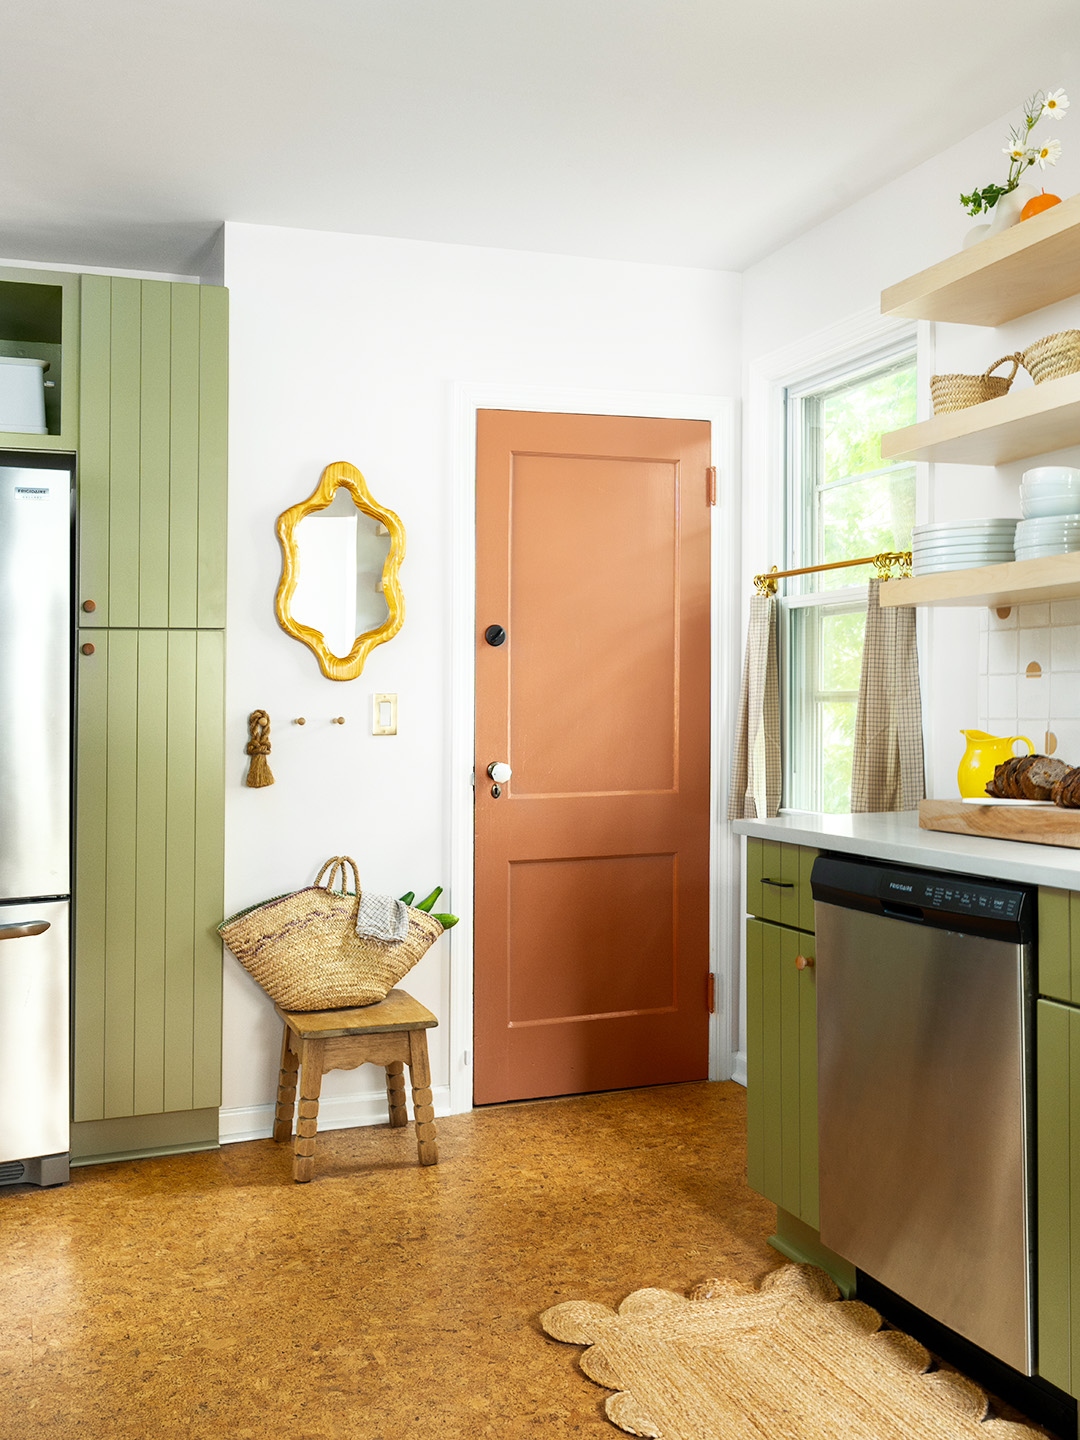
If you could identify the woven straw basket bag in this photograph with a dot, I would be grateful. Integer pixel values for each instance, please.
(1053, 356)
(957, 392)
(304, 951)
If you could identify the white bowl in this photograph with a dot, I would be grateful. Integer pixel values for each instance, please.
(973, 545)
(1051, 475)
(1040, 552)
(1061, 503)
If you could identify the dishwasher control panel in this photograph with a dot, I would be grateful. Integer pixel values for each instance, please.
(962, 902)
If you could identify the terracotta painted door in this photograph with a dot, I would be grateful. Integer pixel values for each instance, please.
(592, 865)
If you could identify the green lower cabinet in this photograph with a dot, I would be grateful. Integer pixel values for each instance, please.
(148, 886)
(1058, 1189)
(781, 1068)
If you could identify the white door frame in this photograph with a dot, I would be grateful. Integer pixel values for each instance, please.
(722, 413)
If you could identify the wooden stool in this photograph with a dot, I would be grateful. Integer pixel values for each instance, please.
(390, 1033)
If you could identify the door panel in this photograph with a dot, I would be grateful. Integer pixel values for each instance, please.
(592, 905)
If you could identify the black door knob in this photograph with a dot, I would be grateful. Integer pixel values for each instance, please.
(495, 635)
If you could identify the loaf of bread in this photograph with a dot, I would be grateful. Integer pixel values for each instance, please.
(1067, 790)
(1029, 777)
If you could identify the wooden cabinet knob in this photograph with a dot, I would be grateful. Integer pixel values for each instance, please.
(88, 649)
(804, 962)
(89, 606)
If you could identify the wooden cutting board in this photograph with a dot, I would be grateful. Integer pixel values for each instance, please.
(1040, 824)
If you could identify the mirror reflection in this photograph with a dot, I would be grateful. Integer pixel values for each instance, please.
(339, 590)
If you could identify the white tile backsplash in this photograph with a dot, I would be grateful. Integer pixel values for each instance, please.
(1012, 702)
(1002, 652)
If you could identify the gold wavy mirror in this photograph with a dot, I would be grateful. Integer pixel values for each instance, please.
(339, 592)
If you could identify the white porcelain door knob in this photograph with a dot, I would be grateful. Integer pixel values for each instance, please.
(499, 771)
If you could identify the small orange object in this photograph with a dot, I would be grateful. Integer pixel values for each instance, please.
(1038, 203)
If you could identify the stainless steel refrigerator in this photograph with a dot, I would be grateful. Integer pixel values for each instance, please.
(36, 558)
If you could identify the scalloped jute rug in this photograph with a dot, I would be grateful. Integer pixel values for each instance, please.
(788, 1361)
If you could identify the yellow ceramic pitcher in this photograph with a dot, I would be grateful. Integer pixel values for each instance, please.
(982, 756)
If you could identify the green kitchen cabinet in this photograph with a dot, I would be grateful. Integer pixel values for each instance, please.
(1059, 945)
(781, 1068)
(781, 1028)
(1057, 1088)
(152, 453)
(39, 320)
(149, 867)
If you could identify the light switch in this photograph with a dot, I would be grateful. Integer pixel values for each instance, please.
(384, 714)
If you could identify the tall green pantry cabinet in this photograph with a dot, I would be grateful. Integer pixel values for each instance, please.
(149, 850)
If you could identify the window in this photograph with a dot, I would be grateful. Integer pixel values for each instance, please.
(842, 503)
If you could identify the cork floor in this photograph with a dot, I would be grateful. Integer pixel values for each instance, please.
(207, 1295)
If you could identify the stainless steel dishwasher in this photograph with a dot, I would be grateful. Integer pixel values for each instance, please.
(924, 993)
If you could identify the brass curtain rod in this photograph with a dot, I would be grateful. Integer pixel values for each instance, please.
(883, 563)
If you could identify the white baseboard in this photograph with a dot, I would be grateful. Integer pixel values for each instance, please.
(256, 1122)
(738, 1071)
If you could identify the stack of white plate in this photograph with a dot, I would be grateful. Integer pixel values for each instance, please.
(1051, 535)
(961, 545)
(1050, 490)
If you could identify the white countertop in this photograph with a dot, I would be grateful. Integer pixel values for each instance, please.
(897, 837)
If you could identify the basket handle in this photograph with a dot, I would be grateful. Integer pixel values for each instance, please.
(1015, 358)
(335, 864)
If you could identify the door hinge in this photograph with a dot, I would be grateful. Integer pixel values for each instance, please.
(712, 993)
(710, 485)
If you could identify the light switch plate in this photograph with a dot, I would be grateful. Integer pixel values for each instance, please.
(384, 714)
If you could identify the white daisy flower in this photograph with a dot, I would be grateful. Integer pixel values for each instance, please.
(1056, 103)
(1047, 154)
(1017, 150)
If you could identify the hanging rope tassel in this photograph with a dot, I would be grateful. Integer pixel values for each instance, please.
(258, 747)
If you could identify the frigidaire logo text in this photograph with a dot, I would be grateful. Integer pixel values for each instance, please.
(895, 885)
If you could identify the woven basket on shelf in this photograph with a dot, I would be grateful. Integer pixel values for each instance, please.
(957, 392)
(304, 951)
(1052, 356)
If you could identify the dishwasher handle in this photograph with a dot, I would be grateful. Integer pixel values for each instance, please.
(896, 911)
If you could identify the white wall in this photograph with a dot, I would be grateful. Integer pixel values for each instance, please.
(346, 348)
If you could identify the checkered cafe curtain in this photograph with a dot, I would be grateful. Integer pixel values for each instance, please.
(887, 765)
(755, 763)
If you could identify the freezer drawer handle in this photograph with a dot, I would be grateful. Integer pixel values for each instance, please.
(21, 932)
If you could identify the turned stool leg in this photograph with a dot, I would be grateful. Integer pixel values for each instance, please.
(395, 1093)
(423, 1112)
(286, 1095)
(311, 1073)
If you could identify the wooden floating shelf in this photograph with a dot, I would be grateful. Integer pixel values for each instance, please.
(1033, 421)
(1019, 582)
(1028, 266)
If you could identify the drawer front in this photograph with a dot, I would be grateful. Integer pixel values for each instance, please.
(778, 883)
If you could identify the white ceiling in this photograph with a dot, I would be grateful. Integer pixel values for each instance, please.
(689, 132)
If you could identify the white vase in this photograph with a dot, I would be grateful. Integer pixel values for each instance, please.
(1004, 214)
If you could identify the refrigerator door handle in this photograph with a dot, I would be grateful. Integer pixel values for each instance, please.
(21, 932)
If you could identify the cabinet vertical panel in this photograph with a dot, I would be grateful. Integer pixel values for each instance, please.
(209, 865)
(95, 361)
(184, 458)
(1074, 947)
(213, 451)
(755, 1123)
(91, 799)
(806, 895)
(155, 414)
(1072, 1254)
(790, 1038)
(1053, 1086)
(120, 879)
(772, 1064)
(124, 440)
(789, 873)
(755, 859)
(180, 718)
(1055, 943)
(808, 1087)
(152, 761)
